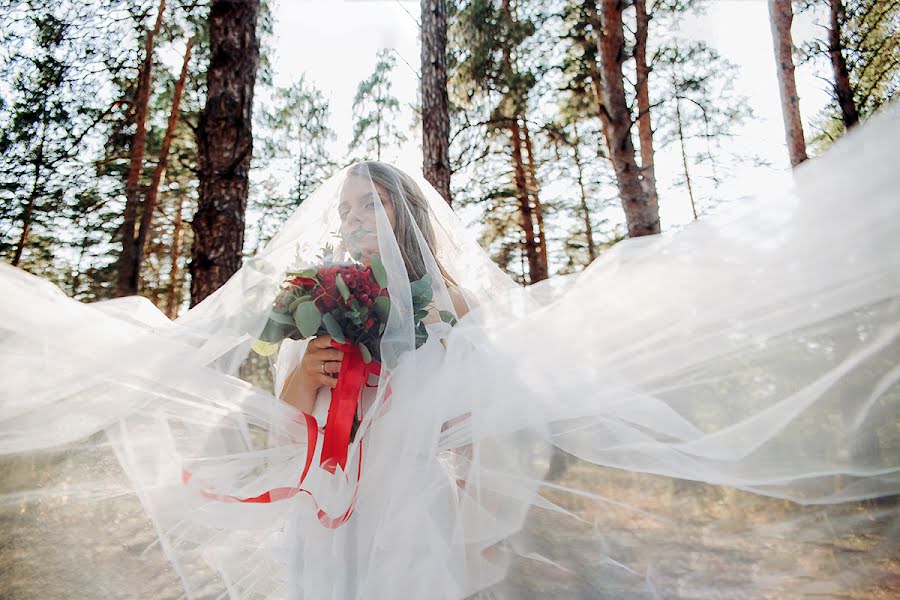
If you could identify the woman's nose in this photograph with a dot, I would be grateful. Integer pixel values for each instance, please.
(353, 218)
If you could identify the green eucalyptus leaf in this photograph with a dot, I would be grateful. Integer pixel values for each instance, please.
(421, 334)
(448, 317)
(297, 301)
(421, 314)
(419, 287)
(424, 297)
(282, 318)
(378, 271)
(273, 332)
(342, 287)
(307, 318)
(382, 307)
(422, 301)
(333, 328)
(366, 355)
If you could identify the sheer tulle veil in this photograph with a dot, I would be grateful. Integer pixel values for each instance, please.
(712, 410)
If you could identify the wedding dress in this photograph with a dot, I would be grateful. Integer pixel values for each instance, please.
(707, 412)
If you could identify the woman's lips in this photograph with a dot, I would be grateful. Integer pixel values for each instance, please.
(361, 239)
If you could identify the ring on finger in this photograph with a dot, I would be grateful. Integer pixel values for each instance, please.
(324, 372)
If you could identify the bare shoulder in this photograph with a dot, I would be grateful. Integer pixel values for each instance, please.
(460, 306)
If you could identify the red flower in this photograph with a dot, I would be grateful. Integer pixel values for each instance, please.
(303, 281)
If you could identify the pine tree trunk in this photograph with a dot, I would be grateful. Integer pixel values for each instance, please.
(435, 102)
(585, 212)
(843, 91)
(531, 242)
(594, 74)
(173, 296)
(225, 146)
(645, 128)
(160, 171)
(536, 207)
(640, 216)
(684, 157)
(28, 212)
(127, 280)
(781, 15)
(537, 269)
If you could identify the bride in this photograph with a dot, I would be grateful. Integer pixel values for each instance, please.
(711, 411)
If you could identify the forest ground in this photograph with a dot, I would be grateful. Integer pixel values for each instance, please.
(57, 548)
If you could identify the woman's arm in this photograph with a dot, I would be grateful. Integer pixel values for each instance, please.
(459, 302)
(317, 368)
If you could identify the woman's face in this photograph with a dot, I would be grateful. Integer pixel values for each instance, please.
(358, 208)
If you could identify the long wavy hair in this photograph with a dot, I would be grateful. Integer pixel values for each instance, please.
(410, 211)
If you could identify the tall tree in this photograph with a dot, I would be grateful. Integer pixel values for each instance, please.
(48, 107)
(295, 134)
(511, 111)
(175, 285)
(128, 274)
(641, 212)
(697, 106)
(435, 101)
(642, 87)
(781, 16)
(491, 84)
(225, 146)
(376, 109)
(859, 54)
(843, 91)
(150, 202)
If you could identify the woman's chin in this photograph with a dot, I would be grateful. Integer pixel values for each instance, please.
(363, 252)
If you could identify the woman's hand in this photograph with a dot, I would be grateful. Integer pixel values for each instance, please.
(319, 366)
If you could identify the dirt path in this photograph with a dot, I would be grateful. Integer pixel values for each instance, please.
(59, 548)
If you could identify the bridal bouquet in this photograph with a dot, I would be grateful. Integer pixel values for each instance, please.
(348, 302)
(351, 304)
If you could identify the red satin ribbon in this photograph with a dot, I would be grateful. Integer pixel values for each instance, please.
(345, 396)
(283, 493)
(353, 376)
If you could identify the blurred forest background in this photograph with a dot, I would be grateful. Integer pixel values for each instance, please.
(145, 146)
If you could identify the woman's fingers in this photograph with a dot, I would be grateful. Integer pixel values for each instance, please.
(321, 341)
(332, 367)
(321, 354)
(323, 361)
(327, 380)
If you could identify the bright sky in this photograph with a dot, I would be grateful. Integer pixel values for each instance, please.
(335, 41)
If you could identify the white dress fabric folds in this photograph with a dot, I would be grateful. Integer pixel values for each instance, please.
(709, 412)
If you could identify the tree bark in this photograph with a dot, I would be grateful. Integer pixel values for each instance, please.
(843, 90)
(532, 252)
(536, 207)
(684, 158)
(127, 277)
(645, 128)
(537, 261)
(435, 101)
(640, 216)
(585, 212)
(173, 295)
(28, 212)
(225, 146)
(159, 172)
(594, 74)
(781, 16)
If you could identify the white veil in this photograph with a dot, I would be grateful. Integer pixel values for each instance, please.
(700, 410)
